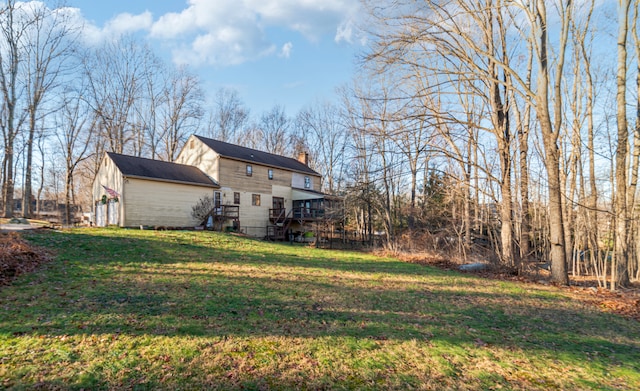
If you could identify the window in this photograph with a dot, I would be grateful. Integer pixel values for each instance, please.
(255, 199)
(249, 170)
(270, 174)
(236, 198)
(217, 202)
(307, 182)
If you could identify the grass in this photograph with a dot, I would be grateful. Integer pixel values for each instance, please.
(128, 309)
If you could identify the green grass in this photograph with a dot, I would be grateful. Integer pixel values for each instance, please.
(128, 309)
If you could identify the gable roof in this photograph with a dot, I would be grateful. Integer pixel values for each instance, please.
(139, 167)
(237, 152)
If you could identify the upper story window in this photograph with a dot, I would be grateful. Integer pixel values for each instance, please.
(236, 198)
(307, 182)
(249, 170)
(270, 174)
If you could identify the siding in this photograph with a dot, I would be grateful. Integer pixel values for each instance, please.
(160, 203)
(231, 174)
(108, 175)
(196, 153)
(297, 180)
(283, 192)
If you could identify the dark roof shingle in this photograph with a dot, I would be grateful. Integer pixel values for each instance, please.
(253, 155)
(159, 170)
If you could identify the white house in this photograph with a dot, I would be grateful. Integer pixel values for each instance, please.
(261, 193)
(131, 191)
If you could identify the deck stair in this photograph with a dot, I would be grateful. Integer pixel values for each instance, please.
(280, 220)
(223, 213)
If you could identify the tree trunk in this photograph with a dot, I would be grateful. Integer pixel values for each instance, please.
(620, 276)
(552, 157)
(27, 209)
(7, 188)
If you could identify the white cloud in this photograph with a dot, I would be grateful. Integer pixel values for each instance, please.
(124, 23)
(91, 34)
(228, 46)
(228, 32)
(127, 23)
(286, 50)
(345, 32)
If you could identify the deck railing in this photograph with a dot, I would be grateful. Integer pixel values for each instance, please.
(226, 212)
(277, 215)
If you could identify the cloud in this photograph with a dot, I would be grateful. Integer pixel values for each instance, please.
(345, 32)
(92, 35)
(227, 46)
(126, 23)
(228, 32)
(286, 50)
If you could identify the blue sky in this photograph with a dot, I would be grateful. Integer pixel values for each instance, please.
(287, 52)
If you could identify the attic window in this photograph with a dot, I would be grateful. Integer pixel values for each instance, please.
(191, 144)
(249, 170)
(270, 174)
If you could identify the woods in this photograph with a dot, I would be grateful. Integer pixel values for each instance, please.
(500, 130)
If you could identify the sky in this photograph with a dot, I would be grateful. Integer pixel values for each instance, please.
(291, 53)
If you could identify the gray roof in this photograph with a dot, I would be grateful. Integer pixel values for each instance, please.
(237, 152)
(163, 171)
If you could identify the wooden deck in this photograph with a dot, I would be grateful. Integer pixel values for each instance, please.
(281, 220)
(224, 213)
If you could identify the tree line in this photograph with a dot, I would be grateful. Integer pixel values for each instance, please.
(527, 107)
(498, 128)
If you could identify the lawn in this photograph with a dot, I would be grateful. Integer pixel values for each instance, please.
(130, 309)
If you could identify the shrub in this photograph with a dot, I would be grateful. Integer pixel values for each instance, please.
(202, 209)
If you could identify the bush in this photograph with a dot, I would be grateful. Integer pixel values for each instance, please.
(202, 209)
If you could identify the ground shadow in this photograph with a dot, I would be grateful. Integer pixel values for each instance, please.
(92, 289)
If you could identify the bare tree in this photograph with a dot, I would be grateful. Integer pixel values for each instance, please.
(228, 117)
(322, 128)
(454, 51)
(620, 275)
(181, 110)
(75, 130)
(13, 29)
(48, 50)
(116, 73)
(275, 129)
(146, 118)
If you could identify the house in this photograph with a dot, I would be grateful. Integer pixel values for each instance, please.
(260, 193)
(131, 191)
(267, 188)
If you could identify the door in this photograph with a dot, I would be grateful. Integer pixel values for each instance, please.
(278, 203)
(278, 211)
(100, 215)
(112, 213)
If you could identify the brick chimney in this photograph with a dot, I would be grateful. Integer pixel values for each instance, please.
(303, 157)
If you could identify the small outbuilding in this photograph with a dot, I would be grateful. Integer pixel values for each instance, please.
(132, 191)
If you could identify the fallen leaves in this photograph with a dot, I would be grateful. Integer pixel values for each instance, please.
(626, 303)
(623, 302)
(18, 257)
